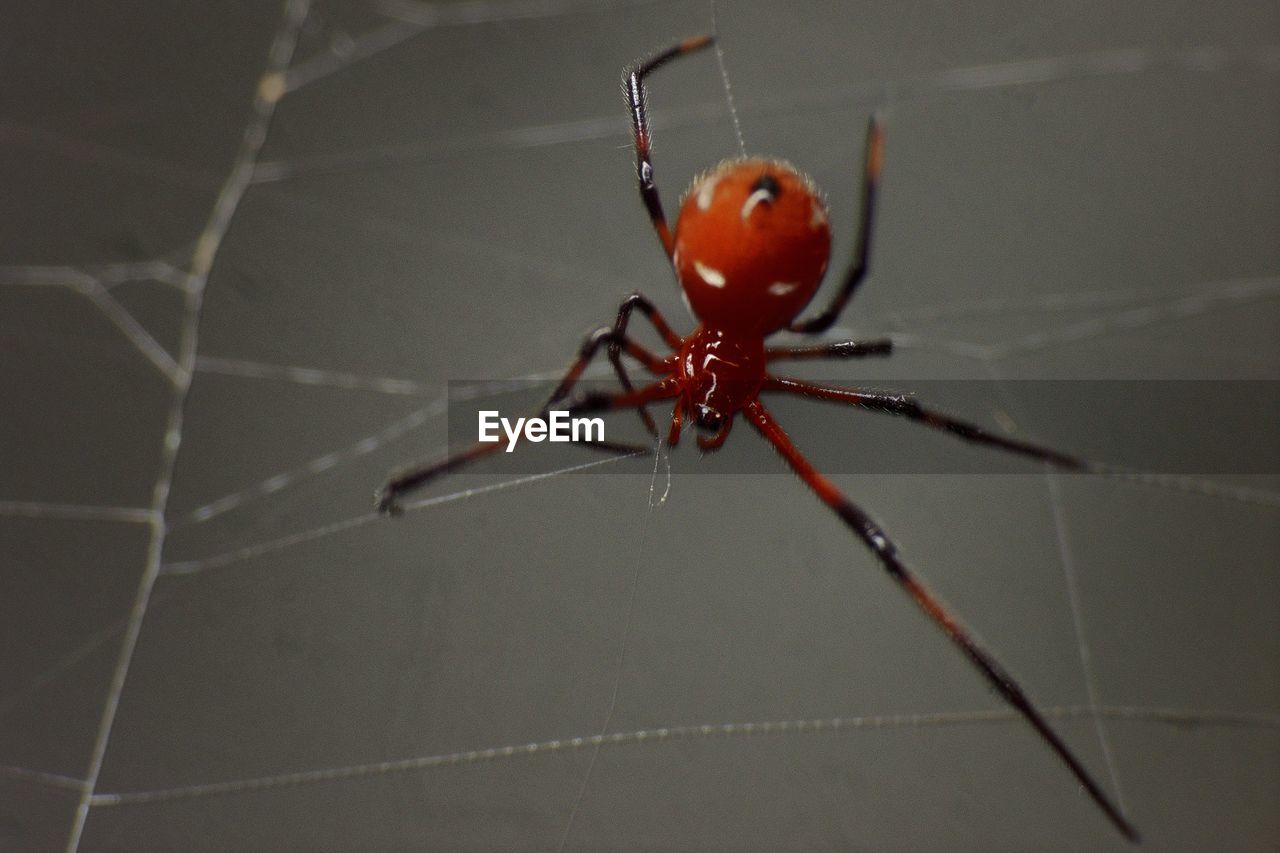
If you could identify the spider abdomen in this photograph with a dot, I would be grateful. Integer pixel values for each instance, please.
(751, 245)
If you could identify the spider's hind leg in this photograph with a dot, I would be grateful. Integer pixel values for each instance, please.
(886, 552)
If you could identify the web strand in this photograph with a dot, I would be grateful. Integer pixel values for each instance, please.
(724, 79)
(267, 96)
(619, 666)
(1126, 311)
(1072, 585)
(188, 567)
(1067, 560)
(769, 728)
(1107, 63)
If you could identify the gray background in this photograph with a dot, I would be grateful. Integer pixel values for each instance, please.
(1077, 191)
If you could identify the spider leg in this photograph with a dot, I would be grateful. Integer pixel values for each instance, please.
(663, 389)
(907, 407)
(841, 349)
(599, 401)
(874, 538)
(388, 497)
(873, 158)
(638, 300)
(633, 84)
(590, 346)
(651, 312)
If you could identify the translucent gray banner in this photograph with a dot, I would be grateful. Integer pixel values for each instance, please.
(1152, 427)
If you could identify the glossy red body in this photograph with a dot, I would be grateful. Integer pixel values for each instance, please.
(749, 259)
(719, 373)
(751, 246)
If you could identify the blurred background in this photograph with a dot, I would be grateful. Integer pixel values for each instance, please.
(249, 249)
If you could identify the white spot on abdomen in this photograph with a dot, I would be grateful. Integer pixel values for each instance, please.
(713, 277)
(707, 191)
(754, 199)
(782, 288)
(818, 218)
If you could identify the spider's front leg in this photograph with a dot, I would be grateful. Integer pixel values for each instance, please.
(389, 496)
(633, 85)
(654, 316)
(873, 159)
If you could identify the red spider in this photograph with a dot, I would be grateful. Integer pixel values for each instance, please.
(750, 249)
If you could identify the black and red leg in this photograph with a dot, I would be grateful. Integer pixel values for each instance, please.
(669, 337)
(389, 496)
(872, 160)
(907, 407)
(871, 534)
(839, 349)
(633, 83)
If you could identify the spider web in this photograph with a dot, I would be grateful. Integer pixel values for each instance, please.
(247, 252)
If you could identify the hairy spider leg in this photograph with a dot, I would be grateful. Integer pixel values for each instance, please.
(633, 85)
(907, 407)
(839, 349)
(601, 401)
(388, 497)
(651, 312)
(873, 160)
(875, 538)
